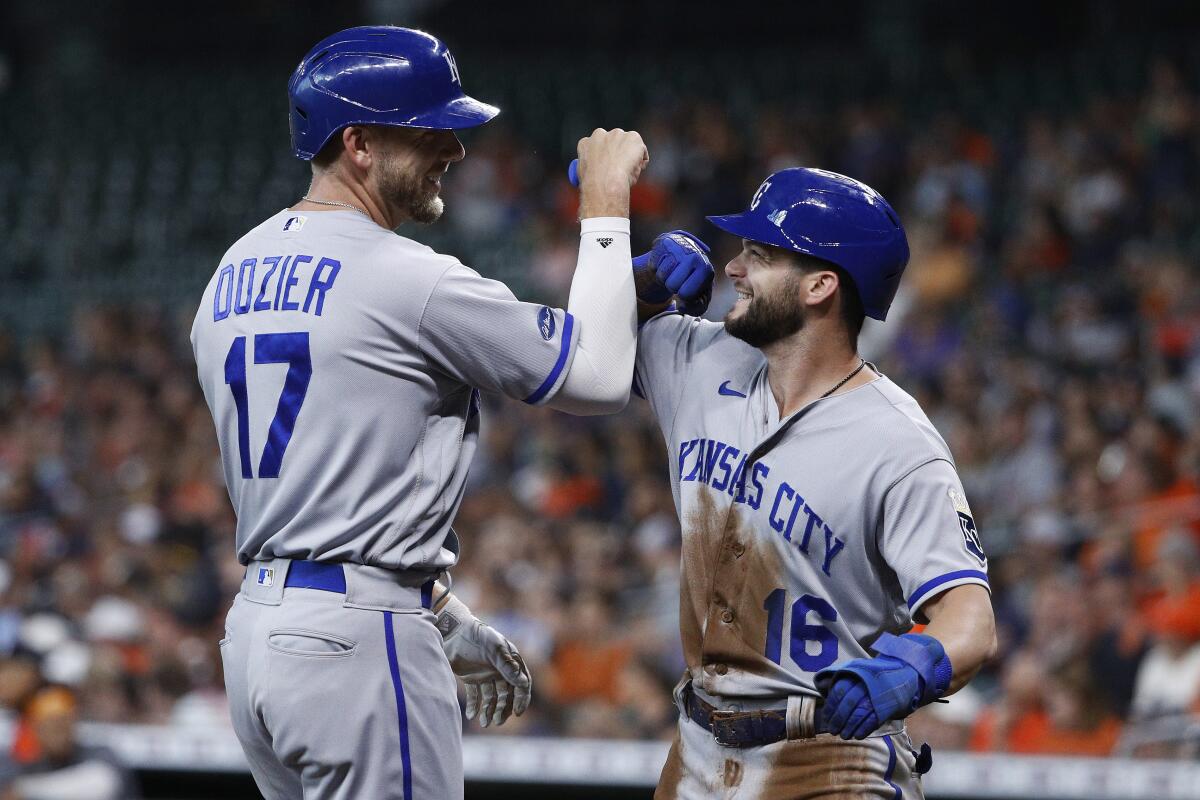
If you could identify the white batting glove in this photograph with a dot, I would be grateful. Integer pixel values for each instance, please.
(497, 681)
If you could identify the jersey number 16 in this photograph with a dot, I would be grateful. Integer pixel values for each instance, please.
(269, 348)
(803, 632)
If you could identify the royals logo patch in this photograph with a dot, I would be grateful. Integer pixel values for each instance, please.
(967, 523)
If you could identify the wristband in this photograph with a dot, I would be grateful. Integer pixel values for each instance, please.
(924, 654)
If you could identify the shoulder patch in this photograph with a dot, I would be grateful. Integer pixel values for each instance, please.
(966, 522)
(959, 501)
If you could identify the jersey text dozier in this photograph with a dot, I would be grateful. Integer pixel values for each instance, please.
(272, 285)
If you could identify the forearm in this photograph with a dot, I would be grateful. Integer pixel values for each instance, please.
(603, 303)
(647, 311)
(962, 620)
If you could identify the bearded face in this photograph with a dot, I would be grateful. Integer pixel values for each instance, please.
(413, 190)
(409, 168)
(768, 312)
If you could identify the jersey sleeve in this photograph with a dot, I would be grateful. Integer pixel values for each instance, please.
(474, 329)
(666, 346)
(928, 535)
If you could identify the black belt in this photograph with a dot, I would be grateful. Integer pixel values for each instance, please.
(736, 728)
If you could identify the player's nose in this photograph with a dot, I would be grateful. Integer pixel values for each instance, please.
(452, 148)
(735, 268)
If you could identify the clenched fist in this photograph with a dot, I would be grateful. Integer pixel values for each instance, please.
(610, 162)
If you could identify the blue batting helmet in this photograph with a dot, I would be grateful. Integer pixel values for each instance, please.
(833, 218)
(377, 75)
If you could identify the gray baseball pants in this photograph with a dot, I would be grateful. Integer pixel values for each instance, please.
(342, 695)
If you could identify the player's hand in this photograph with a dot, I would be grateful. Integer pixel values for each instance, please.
(610, 162)
(495, 677)
(676, 265)
(862, 694)
(849, 709)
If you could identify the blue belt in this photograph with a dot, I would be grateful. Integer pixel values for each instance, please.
(332, 578)
(316, 575)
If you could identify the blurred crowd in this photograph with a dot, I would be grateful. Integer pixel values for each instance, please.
(1049, 324)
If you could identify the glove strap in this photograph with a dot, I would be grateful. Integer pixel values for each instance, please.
(800, 717)
(923, 653)
(453, 616)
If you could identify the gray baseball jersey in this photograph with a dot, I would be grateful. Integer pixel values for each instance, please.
(803, 538)
(342, 364)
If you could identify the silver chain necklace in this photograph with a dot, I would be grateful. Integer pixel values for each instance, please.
(335, 203)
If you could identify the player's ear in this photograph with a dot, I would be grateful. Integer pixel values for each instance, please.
(358, 141)
(821, 285)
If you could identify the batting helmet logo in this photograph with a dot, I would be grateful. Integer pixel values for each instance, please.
(754, 201)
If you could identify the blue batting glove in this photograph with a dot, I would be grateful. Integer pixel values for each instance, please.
(681, 269)
(862, 694)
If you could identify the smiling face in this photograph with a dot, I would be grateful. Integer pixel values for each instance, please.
(769, 286)
(409, 166)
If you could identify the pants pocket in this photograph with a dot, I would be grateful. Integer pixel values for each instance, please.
(311, 643)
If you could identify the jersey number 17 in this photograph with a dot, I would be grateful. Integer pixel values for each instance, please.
(269, 348)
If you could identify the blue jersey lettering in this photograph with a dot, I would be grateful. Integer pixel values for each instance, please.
(283, 274)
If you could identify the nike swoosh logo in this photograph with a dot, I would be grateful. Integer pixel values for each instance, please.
(725, 390)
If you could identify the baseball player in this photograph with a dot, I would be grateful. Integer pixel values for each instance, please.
(821, 512)
(342, 365)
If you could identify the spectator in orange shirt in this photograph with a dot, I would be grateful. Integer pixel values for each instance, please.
(1048, 714)
(591, 655)
(1173, 497)
(1168, 680)
(1019, 720)
(1080, 722)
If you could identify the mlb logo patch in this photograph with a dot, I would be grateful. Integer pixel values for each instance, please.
(546, 323)
(266, 576)
(294, 223)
